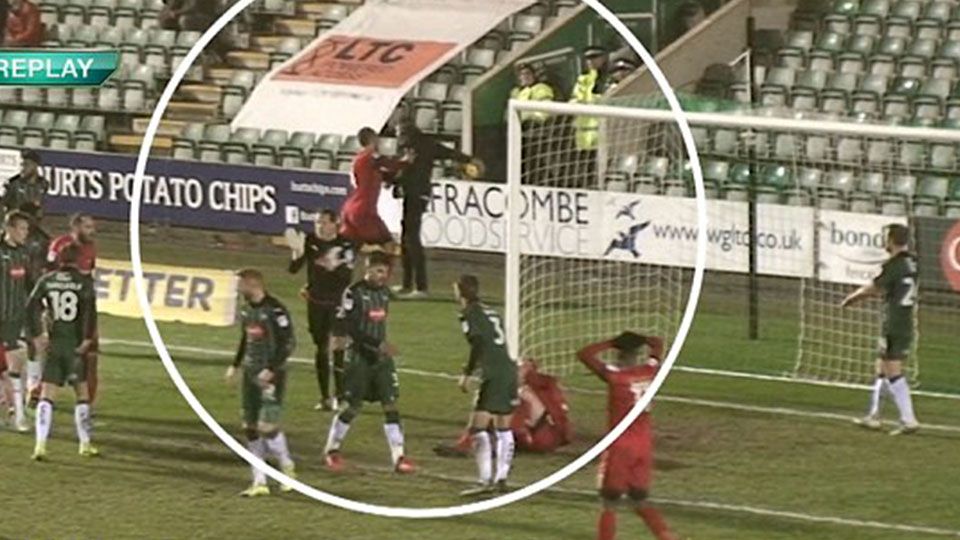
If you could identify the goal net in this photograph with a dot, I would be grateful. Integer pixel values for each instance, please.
(606, 236)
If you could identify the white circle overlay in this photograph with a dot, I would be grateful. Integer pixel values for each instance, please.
(425, 512)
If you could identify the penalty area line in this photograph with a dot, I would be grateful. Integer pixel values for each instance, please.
(712, 404)
(721, 507)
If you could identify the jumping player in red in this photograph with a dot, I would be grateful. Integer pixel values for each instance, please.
(360, 221)
(627, 466)
(83, 230)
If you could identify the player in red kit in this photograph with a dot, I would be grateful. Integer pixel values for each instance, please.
(627, 466)
(83, 230)
(360, 221)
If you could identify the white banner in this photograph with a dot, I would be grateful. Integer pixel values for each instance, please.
(852, 246)
(355, 74)
(618, 226)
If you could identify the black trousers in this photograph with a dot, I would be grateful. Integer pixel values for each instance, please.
(414, 257)
(321, 318)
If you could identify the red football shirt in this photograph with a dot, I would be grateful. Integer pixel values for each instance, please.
(88, 253)
(625, 385)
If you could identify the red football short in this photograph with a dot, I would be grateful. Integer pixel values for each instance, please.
(364, 228)
(626, 466)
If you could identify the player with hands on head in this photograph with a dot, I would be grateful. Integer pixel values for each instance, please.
(626, 468)
(370, 374)
(897, 283)
(497, 396)
(266, 343)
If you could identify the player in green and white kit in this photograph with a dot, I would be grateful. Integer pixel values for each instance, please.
(67, 296)
(369, 371)
(266, 344)
(16, 282)
(497, 396)
(897, 283)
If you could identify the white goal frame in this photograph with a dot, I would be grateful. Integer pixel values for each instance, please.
(743, 121)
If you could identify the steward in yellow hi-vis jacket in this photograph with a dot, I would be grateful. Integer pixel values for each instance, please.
(529, 89)
(588, 89)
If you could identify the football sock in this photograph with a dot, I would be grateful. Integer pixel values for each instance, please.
(338, 431)
(34, 372)
(17, 384)
(255, 446)
(277, 445)
(338, 373)
(91, 360)
(655, 522)
(482, 451)
(394, 434)
(81, 417)
(505, 447)
(607, 525)
(322, 363)
(44, 420)
(901, 396)
(876, 395)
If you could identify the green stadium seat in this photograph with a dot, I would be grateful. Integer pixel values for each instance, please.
(814, 80)
(875, 8)
(929, 29)
(837, 23)
(212, 152)
(896, 106)
(73, 15)
(912, 68)
(911, 155)
(863, 203)
(903, 185)
(716, 171)
(875, 85)
(845, 7)
(302, 140)
(821, 61)
(245, 136)
(907, 9)
(831, 42)
(938, 10)
(217, 133)
(803, 99)
(851, 64)
(898, 28)
(943, 156)
(865, 103)
(925, 208)
(426, 116)
(934, 189)
(656, 167)
(236, 155)
(291, 158)
(263, 156)
(343, 164)
(944, 68)
(350, 144)
(164, 38)
(922, 48)
(893, 206)
(320, 161)
(84, 142)
(953, 31)
(809, 179)
(99, 17)
(231, 101)
(183, 149)
(892, 46)
(9, 136)
(274, 138)
(801, 40)
(432, 92)
(905, 86)
(861, 44)
(32, 137)
(873, 183)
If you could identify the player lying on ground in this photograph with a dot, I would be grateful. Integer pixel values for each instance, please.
(15, 285)
(540, 424)
(266, 342)
(497, 396)
(370, 373)
(329, 259)
(897, 282)
(67, 297)
(359, 219)
(83, 230)
(627, 466)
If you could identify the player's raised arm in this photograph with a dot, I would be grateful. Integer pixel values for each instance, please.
(590, 356)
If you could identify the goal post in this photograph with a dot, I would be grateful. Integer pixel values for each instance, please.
(826, 190)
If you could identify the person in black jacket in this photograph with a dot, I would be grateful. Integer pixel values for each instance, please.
(329, 259)
(414, 184)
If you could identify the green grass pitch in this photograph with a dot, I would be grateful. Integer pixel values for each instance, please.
(737, 458)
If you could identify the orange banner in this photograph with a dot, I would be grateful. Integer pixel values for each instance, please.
(362, 61)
